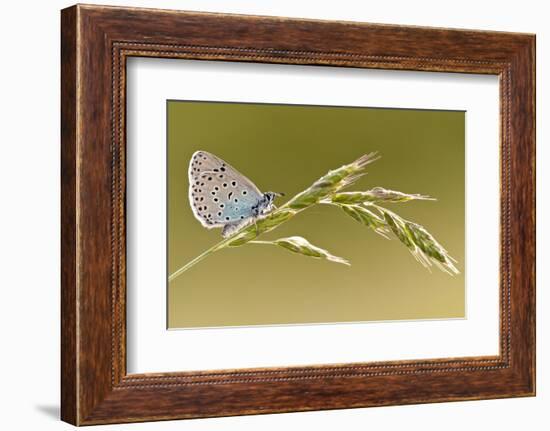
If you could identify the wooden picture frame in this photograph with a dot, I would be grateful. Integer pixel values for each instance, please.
(95, 43)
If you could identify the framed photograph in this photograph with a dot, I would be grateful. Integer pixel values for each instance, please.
(266, 215)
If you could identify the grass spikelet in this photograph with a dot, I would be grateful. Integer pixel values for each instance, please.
(376, 195)
(367, 218)
(423, 246)
(297, 244)
(331, 183)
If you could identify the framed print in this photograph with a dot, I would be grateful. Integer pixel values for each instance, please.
(270, 215)
(303, 291)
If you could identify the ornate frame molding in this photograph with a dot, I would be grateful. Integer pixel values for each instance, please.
(96, 41)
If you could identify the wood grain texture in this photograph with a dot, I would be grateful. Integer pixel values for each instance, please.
(69, 397)
(96, 41)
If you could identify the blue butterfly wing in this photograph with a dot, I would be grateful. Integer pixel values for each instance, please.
(239, 206)
(218, 193)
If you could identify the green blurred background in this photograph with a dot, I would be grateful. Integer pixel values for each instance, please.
(285, 148)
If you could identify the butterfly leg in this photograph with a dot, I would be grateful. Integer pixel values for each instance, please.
(230, 229)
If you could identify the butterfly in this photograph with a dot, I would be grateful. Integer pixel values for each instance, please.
(220, 196)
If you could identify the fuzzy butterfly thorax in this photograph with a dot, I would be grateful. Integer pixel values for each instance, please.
(220, 196)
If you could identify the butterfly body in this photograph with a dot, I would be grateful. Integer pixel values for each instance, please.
(220, 196)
